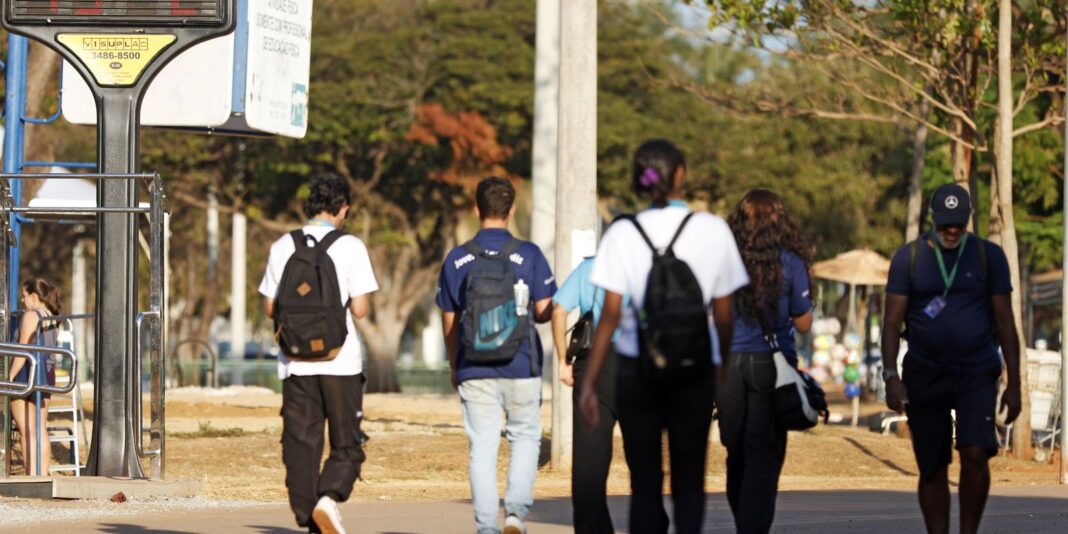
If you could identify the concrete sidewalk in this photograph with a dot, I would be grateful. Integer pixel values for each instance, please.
(1031, 510)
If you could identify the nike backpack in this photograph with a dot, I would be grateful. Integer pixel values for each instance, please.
(493, 327)
(309, 318)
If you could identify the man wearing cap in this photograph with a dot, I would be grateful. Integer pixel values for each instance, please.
(952, 289)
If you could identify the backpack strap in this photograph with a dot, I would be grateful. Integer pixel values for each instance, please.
(329, 239)
(634, 220)
(535, 362)
(511, 247)
(914, 252)
(678, 232)
(474, 248)
(982, 256)
(641, 231)
(300, 239)
(508, 249)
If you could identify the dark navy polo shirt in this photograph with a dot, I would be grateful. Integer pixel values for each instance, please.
(794, 301)
(961, 337)
(530, 266)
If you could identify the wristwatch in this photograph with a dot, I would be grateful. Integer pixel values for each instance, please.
(889, 373)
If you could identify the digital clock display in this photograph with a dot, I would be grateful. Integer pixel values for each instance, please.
(117, 12)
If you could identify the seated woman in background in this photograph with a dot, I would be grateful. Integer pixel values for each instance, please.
(40, 300)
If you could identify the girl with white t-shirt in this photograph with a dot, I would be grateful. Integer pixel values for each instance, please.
(646, 409)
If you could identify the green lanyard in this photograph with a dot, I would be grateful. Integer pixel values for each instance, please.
(948, 278)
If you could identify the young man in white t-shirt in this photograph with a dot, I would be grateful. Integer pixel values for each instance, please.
(316, 391)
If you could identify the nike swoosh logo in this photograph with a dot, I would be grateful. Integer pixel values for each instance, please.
(497, 340)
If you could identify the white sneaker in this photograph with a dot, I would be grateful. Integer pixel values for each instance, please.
(514, 525)
(327, 516)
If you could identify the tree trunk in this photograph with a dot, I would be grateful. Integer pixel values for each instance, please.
(1021, 436)
(961, 156)
(382, 348)
(996, 223)
(962, 160)
(919, 155)
(404, 279)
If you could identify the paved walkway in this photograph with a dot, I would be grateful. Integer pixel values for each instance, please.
(1031, 510)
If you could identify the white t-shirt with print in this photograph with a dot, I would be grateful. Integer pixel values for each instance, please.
(624, 260)
(354, 275)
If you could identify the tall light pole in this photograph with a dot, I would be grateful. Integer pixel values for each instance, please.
(576, 178)
(543, 168)
(546, 120)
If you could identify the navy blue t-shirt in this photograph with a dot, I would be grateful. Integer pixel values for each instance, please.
(960, 337)
(530, 266)
(794, 301)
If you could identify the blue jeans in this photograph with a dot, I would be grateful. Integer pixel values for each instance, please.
(482, 400)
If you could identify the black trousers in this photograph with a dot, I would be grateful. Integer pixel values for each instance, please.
(591, 453)
(307, 402)
(756, 445)
(645, 411)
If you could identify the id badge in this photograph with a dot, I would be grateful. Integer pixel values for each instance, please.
(935, 307)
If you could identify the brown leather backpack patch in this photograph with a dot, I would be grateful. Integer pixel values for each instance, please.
(304, 289)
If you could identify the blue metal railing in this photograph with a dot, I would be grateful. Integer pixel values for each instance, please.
(14, 146)
(15, 121)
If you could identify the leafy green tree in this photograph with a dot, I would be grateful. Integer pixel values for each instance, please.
(891, 53)
(658, 80)
(411, 102)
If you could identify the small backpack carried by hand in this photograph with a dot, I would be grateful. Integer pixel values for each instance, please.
(673, 333)
(309, 318)
(494, 328)
(581, 340)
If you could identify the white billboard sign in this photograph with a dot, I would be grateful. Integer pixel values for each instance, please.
(279, 58)
(194, 90)
(197, 90)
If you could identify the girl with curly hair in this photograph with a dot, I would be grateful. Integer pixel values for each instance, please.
(775, 304)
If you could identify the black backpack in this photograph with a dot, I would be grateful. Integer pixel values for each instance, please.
(673, 330)
(309, 318)
(581, 340)
(492, 330)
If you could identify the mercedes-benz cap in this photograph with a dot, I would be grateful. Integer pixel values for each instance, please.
(951, 205)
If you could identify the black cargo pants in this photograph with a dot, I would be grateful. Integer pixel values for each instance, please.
(308, 402)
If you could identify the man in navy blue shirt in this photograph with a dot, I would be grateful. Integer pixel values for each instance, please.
(952, 289)
(512, 383)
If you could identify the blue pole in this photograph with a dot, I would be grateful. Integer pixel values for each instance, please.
(14, 147)
(14, 153)
(240, 58)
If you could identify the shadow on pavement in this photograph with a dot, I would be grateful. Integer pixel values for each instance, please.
(885, 462)
(868, 511)
(265, 529)
(118, 528)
